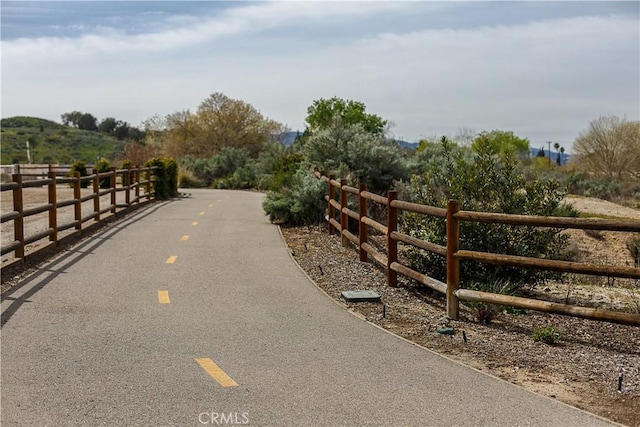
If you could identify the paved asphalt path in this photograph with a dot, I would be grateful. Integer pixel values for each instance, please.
(90, 339)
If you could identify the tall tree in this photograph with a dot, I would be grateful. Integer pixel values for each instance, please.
(87, 122)
(108, 125)
(610, 146)
(322, 113)
(71, 119)
(501, 142)
(219, 122)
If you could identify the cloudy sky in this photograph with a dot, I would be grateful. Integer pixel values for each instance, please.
(540, 69)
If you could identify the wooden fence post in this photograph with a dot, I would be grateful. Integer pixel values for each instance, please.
(147, 186)
(332, 196)
(112, 184)
(53, 201)
(137, 179)
(96, 194)
(392, 245)
(126, 182)
(362, 227)
(18, 223)
(344, 218)
(453, 263)
(77, 195)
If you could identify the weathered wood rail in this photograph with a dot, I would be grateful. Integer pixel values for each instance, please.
(136, 183)
(337, 202)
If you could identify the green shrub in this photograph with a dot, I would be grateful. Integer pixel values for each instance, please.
(79, 167)
(566, 210)
(222, 165)
(548, 334)
(186, 179)
(284, 170)
(127, 164)
(484, 312)
(350, 150)
(301, 202)
(484, 182)
(165, 184)
(102, 166)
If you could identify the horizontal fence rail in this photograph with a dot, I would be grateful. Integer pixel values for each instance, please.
(339, 214)
(135, 183)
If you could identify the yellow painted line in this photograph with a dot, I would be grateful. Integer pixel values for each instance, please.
(185, 237)
(172, 259)
(194, 223)
(216, 373)
(211, 205)
(202, 213)
(163, 297)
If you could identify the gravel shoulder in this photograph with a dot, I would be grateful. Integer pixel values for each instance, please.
(581, 370)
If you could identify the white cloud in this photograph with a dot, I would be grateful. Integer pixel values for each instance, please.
(543, 79)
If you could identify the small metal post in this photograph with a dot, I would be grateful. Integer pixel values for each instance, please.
(620, 377)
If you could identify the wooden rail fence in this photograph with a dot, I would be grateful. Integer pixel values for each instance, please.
(135, 180)
(337, 201)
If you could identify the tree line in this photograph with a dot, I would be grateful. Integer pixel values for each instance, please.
(111, 126)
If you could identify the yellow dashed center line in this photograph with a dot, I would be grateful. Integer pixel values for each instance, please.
(194, 223)
(216, 373)
(172, 259)
(163, 297)
(185, 237)
(211, 205)
(202, 213)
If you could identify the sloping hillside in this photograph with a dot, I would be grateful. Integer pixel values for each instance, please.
(52, 142)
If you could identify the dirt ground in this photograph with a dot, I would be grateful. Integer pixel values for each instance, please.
(37, 196)
(582, 369)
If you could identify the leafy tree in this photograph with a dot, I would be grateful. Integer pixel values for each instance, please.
(136, 134)
(541, 152)
(84, 121)
(501, 142)
(108, 125)
(484, 182)
(121, 131)
(219, 122)
(323, 112)
(71, 119)
(611, 147)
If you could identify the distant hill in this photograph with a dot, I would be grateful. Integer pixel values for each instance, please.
(288, 138)
(51, 142)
